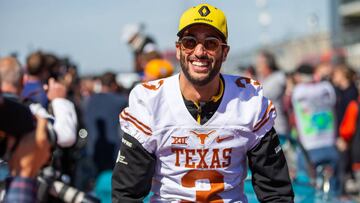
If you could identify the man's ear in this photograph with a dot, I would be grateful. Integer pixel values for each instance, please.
(178, 49)
(225, 53)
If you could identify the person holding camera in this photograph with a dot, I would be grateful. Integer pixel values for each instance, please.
(27, 145)
(27, 139)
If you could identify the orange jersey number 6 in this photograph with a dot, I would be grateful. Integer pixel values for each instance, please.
(216, 180)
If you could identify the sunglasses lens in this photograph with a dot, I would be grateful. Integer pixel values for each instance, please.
(211, 44)
(189, 42)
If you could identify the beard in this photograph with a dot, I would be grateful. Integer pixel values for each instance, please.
(214, 70)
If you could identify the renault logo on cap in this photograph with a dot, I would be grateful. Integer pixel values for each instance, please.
(204, 11)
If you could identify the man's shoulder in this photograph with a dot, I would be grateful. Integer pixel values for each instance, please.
(153, 88)
(243, 87)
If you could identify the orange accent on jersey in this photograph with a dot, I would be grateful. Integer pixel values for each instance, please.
(256, 83)
(247, 81)
(192, 158)
(188, 158)
(202, 153)
(202, 136)
(139, 125)
(265, 117)
(153, 87)
(179, 140)
(142, 124)
(216, 180)
(177, 151)
(215, 162)
(220, 139)
(227, 156)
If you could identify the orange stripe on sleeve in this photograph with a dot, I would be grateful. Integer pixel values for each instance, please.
(139, 122)
(140, 126)
(264, 121)
(264, 118)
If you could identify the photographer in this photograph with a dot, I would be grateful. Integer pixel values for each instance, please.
(29, 148)
(28, 140)
(64, 115)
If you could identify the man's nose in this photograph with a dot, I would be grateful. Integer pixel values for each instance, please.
(199, 50)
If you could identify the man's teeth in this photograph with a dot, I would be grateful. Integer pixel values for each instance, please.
(199, 63)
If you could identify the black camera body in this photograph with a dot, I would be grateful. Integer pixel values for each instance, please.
(16, 120)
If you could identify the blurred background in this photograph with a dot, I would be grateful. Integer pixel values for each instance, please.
(99, 50)
(90, 32)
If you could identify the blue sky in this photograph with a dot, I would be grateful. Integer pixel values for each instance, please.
(88, 31)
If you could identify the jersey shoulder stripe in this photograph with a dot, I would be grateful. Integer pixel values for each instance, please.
(265, 117)
(138, 124)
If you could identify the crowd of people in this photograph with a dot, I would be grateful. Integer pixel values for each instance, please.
(317, 105)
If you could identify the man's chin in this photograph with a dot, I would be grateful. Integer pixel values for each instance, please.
(199, 81)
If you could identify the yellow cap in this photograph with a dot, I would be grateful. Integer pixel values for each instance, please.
(158, 68)
(204, 14)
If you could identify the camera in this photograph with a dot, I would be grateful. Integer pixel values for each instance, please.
(16, 120)
(53, 190)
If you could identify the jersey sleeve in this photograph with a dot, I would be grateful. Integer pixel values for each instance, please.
(270, 173)
(136, 119)
(264, 118)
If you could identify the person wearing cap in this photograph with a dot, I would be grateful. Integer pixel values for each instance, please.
(157, 69)
(143, 46)
(188, 137)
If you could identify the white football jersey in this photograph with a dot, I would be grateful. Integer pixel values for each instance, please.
(198, 163)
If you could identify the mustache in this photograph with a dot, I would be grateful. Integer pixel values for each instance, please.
(203, 57)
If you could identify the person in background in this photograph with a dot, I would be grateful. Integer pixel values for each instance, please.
(63, 110)
(349, 132)
(250, 72)
(36, 76)
(316, 121)
(11, 76)
(143, 46)
(157, 69)
(274, 83)
(32, 150)
(100, 116)
(346, 91)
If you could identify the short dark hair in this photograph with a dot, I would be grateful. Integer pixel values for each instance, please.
(35, 63)
(108, 79)
(305, 68)
(270, 60)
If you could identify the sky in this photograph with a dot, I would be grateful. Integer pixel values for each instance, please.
(89, 31)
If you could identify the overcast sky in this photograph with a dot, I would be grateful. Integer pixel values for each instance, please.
(88, 31)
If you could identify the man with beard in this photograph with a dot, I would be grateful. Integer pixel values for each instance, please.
(187, 137)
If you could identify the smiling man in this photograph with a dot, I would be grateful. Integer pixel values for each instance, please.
(188, 137)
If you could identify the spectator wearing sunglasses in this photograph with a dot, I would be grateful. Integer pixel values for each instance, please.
(187, 137)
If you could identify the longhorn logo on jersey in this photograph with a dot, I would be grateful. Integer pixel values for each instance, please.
(202, 136)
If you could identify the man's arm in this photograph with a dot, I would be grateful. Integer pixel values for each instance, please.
(133, 172)
(270, 175)
(30, 155)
